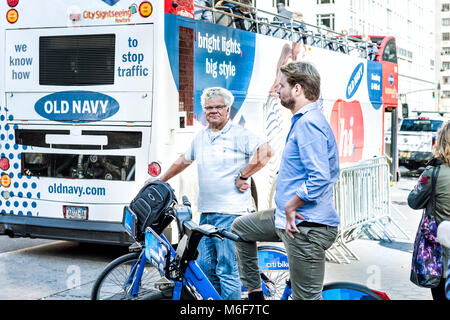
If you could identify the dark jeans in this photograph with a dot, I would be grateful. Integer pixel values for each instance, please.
(438, 293)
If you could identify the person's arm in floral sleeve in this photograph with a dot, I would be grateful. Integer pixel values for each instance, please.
(419, 196)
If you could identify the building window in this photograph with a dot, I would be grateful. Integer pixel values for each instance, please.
(324, 1)
(446, 22)
(445, 51)
(445, 80)
(326, 20)
(445, 7)
(445, 66)
(405, 53)
(446, 36)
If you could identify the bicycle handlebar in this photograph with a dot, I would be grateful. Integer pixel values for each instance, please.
(186, 201)
(215, 231)
(230, 235)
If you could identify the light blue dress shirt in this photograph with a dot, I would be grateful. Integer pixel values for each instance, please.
(220, 156)
(309, 169)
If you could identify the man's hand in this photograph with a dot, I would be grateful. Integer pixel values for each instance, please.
(150, 180)
(291, 214)
(241, 185)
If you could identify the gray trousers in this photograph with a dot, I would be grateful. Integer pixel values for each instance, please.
(306, 253)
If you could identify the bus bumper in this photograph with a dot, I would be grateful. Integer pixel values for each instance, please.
(62, 229)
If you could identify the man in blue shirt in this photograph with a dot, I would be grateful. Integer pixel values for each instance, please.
(226, 155)
(304, 218)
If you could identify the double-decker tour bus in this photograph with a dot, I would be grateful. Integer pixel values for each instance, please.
(98, 96)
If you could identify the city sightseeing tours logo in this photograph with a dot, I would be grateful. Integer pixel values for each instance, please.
(120, 16)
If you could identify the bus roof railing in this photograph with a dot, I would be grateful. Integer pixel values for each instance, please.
(257, 20)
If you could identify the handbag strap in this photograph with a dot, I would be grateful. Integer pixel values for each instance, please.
(434, 176)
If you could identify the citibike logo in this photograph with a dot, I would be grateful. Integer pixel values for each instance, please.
(277, 264)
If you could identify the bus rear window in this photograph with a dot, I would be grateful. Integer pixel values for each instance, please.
(77, 60)
(421, 125)
(76, 166)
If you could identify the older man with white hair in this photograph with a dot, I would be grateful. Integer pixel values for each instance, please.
(227, 155)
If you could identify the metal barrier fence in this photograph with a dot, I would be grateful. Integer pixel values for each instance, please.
(361, 198)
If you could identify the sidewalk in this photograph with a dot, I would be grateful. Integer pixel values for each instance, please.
(383, 265)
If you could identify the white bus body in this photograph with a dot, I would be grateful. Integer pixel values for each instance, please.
(91, 96)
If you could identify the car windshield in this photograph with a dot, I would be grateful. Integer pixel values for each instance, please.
(421, 125)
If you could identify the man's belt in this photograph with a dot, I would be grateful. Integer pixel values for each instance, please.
(312, 224)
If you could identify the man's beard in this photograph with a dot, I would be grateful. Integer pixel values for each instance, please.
(288, 103)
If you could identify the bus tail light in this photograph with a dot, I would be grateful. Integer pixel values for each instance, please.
(6, 180)
(4, 164)
(13, 3)
(154, 169)
(12, 16)
(145, 9)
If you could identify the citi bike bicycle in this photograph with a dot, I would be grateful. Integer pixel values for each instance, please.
(154, 270)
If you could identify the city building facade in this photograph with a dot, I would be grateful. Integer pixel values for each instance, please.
(443, 54)
(412, 22)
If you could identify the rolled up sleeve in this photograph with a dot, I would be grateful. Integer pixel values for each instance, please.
(313, 148)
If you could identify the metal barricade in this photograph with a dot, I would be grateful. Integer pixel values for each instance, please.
(361, 198)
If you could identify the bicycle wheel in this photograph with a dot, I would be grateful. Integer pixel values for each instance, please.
(274, 268)
(350, 291)
(115, 281)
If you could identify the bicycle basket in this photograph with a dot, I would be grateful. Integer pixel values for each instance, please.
(150, 206)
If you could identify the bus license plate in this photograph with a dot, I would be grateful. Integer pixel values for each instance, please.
(77, 213)
(405, 154)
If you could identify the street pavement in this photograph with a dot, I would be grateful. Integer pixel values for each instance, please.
(385, 265)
